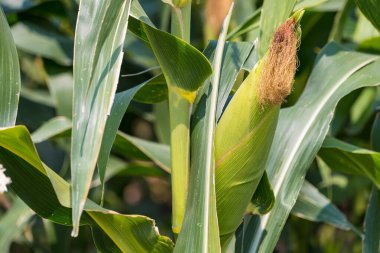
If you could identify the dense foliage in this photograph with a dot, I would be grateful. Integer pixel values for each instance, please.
(180, 126)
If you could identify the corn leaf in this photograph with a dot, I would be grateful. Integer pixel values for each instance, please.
(347, 158)
(125, 145)
(35, 40)
(263, 198)
(375, 133)
(371, 238)
(99, 39)
(155, 91)
(336, 73)
(118, 110)
(9, 75)
(200, 231)
(60, 84)
(235, 56)
(184, 67)
(371, 9)
(314, 206)
(252, 22)
(49, 196)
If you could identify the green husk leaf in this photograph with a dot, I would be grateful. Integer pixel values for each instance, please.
(336, 73)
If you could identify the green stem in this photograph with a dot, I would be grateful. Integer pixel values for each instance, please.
(180, 156)
(180, 22)
(180, 109)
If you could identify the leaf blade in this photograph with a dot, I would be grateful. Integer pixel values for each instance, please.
(9, 75)
(100, 34)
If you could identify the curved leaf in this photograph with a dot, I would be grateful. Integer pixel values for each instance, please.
(263, 198)
(371, 9)
(125, 145)
(314, 206)
(184, 67)
(350, 159)
(35, 40)
(49, 196)
(9, 75)
(371, 239)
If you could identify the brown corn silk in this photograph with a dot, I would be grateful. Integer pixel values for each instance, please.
(279, 65)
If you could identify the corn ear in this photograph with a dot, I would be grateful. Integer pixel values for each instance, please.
(246, 129)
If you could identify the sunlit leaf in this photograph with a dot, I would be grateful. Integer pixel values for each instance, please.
(49, 196)
(99, 39)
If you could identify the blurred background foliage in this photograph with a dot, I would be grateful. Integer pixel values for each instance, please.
(44, 33)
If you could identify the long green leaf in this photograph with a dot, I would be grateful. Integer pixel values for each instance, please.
(301, 131)
(118, 110)
(9, 75)
(200, 232)
(371, 239)
(99, 39)
(347, 158)
(314, 206)
(60, 84)
(185, 69)
(49, 196)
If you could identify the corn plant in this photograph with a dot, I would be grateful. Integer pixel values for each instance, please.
(239, 122)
